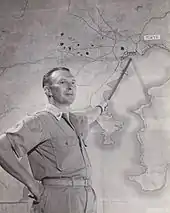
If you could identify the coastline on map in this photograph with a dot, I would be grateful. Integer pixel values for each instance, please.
(138, 112)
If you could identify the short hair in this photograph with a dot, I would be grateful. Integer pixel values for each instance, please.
(47, 77)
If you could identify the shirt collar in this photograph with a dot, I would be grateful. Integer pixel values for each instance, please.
(55, 111)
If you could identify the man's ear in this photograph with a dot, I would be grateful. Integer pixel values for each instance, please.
(47, 91)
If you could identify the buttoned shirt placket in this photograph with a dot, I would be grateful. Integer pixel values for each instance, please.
(80, 141)
(79, 136)
(58, 115)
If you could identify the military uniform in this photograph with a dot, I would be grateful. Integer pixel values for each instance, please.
(56, 149)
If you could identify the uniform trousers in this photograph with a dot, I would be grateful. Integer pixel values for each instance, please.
(66, 199)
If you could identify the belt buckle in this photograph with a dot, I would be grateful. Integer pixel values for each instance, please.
(86, 182)
(72, 181)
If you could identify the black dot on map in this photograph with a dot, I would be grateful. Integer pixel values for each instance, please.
(69, 48)
(139, 7)
(62, 34)
(92, 45)
(78, 45)
(87, 53)
(122, 48)
(61, 44)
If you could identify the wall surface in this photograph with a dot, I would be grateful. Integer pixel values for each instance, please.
(129, 145)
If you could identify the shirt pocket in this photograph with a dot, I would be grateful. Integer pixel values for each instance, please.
(68, 155)
(66, 141)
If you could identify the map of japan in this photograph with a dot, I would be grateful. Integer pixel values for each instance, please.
(131, 148)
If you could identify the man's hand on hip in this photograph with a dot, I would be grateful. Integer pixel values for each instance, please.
(36, 189)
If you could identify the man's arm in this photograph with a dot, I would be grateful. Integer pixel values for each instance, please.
(11, 164)
(21, 139)
(93, 114)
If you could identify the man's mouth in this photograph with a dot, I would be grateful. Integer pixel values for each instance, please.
(69, 94)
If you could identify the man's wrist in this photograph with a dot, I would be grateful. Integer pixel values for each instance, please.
(30, 184)
(36, 189)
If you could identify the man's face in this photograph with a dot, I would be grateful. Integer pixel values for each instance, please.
(63, 88)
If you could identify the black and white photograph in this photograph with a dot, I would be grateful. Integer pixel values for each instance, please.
(84, 106)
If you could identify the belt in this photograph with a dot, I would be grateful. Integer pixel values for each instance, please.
(67, 181)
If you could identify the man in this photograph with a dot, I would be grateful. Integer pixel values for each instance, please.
(55, 142)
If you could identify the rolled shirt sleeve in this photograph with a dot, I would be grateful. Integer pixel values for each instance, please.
(26, 134)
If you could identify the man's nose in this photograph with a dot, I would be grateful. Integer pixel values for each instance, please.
(70, 86)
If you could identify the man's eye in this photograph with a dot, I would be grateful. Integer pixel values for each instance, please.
(61, 82)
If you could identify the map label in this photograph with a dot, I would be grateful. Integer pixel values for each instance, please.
(152, 37)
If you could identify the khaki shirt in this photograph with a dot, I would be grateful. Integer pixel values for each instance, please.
(54, 148)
